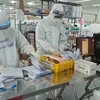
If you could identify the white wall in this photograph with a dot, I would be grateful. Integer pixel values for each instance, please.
(89, 14)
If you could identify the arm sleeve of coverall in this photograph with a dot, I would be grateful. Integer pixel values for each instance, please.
(41, 41)
(23, 44)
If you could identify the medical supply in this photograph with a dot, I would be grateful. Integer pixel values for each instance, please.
(86, 67)
(5, 91)
(8, 88)
(56, 64)
(12, 73)
(35, 62)
(71, 54)
(37, 72)
(55, 59)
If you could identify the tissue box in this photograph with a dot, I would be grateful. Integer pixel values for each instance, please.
(86, 67)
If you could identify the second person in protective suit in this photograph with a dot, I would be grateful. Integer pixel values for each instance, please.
(11, 40)
(50, 35)
(50, 32)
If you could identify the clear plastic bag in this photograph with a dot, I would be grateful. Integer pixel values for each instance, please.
(72, 54)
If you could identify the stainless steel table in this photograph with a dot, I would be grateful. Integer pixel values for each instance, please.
(29, 88)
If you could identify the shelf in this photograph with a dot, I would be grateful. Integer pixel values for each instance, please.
(70, 3)
(34, 14)
(48, 0)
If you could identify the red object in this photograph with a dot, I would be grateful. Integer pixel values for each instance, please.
(26, 11)
(81, 21)
(17, 98)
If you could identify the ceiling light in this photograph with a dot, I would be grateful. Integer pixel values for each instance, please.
(4, 5)
(83, 1)
(96, 5)
(11, 8)
(85, 6)
(13, 1)
(32, 3)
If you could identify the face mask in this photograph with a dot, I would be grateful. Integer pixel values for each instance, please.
(56, 20)
(5, 25)
(60, 21)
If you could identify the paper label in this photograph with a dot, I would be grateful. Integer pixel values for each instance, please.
(47, 64)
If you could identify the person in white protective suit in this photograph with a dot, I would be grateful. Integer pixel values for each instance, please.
(10, 41)
(50, 32)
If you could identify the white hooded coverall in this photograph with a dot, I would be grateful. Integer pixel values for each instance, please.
(10, 41)
(50, 34)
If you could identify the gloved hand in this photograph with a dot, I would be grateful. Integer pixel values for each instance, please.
(24, 63)
(55, 52)
(68, 46)
(33, 53)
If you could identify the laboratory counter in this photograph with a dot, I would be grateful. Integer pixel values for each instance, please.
(30, 88)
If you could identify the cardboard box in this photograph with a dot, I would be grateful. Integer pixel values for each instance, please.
(46, 11)
(86, 67)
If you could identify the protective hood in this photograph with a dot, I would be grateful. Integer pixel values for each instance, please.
(4, 21)
(57, 10)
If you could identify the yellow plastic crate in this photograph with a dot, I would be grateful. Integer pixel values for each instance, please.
(68, 64)
(58, 78)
